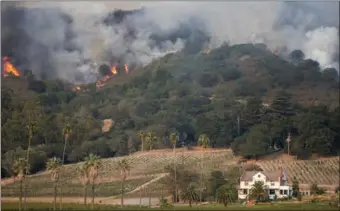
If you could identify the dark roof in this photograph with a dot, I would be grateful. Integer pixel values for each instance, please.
(271, 176)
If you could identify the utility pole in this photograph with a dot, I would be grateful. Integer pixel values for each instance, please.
(288, 141)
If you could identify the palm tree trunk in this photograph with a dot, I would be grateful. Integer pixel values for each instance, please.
(55, 196)
(93, 195)
(149, 197)
(62, 163)
(190, 203)
(26, 171)
(85, 195)
(140, 197)
(175, 174)
(20, 197)
(201, 177)
(122, 196)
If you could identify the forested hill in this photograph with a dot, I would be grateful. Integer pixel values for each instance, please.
(240, 96)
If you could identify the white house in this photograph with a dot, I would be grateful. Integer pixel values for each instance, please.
(275, 183)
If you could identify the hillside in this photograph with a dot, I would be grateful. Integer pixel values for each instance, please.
(239, 96)
(148, 168)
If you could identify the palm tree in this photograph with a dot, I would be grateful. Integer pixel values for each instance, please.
(226, 194)
(93, 164)
(124, 168)
(31, 128)
(174, 139)
(203, 141)
(190, 194)
(150, 139)
(84, 178)
(53, 166)
(258, 191)
(141, 135)
(20, 167)
(67, 131)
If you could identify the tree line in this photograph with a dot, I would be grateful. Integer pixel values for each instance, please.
(190, 94)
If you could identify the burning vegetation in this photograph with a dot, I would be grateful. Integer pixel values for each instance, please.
(9, 68)
(109, 72)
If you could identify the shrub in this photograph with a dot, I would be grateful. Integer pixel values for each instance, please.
(164, 203)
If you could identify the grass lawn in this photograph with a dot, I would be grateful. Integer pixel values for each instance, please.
(277, 206)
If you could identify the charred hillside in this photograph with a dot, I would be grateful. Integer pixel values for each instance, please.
(240, 96)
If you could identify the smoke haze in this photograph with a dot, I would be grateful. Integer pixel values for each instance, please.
(69, 40)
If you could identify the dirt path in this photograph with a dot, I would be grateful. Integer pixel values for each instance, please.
(138, 188)
(148, 183)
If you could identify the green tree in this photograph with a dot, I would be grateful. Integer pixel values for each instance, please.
(315, 190)
(257, 142)
(281, 105)
(124, 168)
(67, 131)
(216, 180)
(330, 75)
(141, 135)
(252, 112)
(20, 167)
(93, 163)
(295, 187)
(226, 194)
(84, 178)
(53, 166)
(150, 140)
(204, 142)
(296, 56)
(258, 191)
(184, 177)
(31, 129)
(190, 194)
(174, 140)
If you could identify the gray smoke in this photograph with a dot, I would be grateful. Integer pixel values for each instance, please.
(69, 40)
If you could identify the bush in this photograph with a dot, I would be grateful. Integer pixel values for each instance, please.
(164, 203)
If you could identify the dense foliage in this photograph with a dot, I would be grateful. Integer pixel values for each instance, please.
(223, 95)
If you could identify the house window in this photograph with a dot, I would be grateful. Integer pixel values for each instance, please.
(285, 192)
(259, 176)
(281, 192)
(245, 191)
(246, 183)
(272, 184)
(271, 191)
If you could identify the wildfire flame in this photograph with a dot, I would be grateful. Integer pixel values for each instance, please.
(126, 67)
(9, 68)
(114, 70)
(76, 89)
(207, 52)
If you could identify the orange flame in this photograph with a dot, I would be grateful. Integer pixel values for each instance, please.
(126, 67)
(76, 89)
(114, 70)
(9, 68)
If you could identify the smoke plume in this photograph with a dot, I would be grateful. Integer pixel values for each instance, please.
(69, 40)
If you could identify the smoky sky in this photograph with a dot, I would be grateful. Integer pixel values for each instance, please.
(69, 40)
